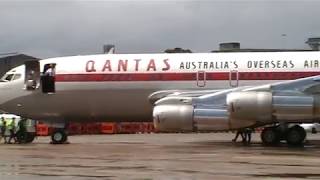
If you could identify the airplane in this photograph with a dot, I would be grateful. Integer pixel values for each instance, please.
(313, 128)
(146, 87)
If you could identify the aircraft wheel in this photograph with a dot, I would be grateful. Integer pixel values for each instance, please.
(21, 137)
(59, 137)
(270, 136)
(296, 135)
(30, 137)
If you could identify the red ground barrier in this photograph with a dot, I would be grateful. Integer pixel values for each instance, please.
(74, 128)
(100, 128)
(42, 130)
(108, 128)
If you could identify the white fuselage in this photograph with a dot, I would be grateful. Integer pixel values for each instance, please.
(115, 87)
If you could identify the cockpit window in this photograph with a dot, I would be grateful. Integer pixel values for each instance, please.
(16, 77)
(10, 77)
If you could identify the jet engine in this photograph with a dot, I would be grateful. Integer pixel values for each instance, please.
(180, 114)
(187, 118)
(173, 117)
(266, 107)
(242, 109)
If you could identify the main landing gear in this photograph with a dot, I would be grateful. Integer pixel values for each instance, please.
(294, 135)
(59, 136)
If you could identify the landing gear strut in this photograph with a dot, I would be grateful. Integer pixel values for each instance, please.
(294, 135)
(59, 136)
(270, 136)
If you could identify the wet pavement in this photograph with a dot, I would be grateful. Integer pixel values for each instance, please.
(159, 156)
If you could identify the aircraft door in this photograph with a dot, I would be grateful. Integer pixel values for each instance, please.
(234, 78)
(32, 75)
(201, 78)
(48, 78)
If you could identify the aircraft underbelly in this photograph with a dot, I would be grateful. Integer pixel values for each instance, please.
(95, 105)
(96, 101)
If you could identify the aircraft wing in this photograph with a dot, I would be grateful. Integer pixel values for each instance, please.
(295, 101)
(178, 93)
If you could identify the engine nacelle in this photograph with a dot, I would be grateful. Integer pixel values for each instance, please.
(185, 118)
(296, 108)
(266, 108)
(244, 109)
(249, 106)
(172, 117)
(211, 119)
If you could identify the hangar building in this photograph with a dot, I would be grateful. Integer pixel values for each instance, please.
(12, 60)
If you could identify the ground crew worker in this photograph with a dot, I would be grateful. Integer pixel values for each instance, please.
(3, 129)
(247, 133)
(240, 132)
(22, 130)
(12, 129)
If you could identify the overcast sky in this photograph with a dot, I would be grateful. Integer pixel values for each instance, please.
(57, 28)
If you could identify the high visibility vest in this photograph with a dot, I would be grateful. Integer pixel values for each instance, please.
(11, 124)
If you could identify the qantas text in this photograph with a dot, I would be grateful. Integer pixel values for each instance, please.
(122, 65)
(153, 65)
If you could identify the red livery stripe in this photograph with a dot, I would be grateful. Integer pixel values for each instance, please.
(183, 76)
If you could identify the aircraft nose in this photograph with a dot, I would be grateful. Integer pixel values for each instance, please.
(2, 95)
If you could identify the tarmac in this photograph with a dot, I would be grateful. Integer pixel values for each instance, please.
(159, 156)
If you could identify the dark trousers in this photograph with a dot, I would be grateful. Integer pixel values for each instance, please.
(12, 136)
(3, 136)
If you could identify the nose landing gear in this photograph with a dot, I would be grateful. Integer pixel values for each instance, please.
(25, 137)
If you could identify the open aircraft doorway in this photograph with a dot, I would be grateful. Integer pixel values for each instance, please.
(48, 78)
